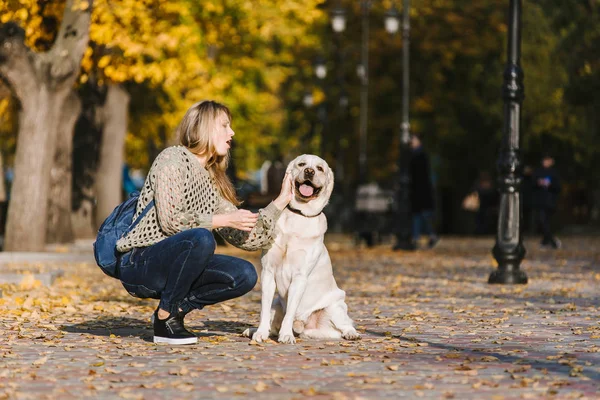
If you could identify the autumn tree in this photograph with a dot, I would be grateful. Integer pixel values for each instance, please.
(457, 57)
(42, 83)
(577, 50)
(161, 57)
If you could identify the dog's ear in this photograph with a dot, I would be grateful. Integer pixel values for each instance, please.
(291, 165)
(330, 181)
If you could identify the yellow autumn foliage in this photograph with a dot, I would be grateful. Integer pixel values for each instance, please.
(238, 52)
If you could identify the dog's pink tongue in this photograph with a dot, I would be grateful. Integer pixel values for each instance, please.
(306, 190)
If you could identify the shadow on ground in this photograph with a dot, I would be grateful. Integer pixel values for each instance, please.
(133, 327)
(537, 360)
(231, 327)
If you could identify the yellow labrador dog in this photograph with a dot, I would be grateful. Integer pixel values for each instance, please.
(310, 303)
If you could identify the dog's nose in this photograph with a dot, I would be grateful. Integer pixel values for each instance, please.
(309, 173)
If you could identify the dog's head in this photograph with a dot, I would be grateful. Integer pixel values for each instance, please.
(313, 183)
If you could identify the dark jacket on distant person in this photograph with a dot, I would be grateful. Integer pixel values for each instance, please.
(421, 189)
(528, 188)
(546, 197)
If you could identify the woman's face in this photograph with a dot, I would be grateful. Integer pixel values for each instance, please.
(223, 135)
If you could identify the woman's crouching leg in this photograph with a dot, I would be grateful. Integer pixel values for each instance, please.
(224, 278)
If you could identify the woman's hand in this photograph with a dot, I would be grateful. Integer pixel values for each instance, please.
(287, 192)
(243, 220)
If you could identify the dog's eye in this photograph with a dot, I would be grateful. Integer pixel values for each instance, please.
(302, 164)
(320, 169)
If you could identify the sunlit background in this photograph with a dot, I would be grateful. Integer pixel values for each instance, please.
(294, 80)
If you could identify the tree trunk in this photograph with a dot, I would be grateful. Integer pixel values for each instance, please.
(27, 210)
(2, 202)
(41, 82)
(109, 183)
(82, 218)
(60, 229)
(86, 152)
(2, 184)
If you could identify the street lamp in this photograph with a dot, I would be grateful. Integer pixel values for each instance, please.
(344, 100)
(403, 227)
(308, 99)
(392, 20)
(338, 19)
(509, 250)
(338, 24)
(364, 92)
(343, 107)
(320, 68)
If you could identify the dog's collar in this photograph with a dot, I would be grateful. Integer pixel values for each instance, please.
(296, 211)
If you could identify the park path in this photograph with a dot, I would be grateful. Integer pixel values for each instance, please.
(432, 328)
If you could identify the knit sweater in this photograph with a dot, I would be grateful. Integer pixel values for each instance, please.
(186, 197)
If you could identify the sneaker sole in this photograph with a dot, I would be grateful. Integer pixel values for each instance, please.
(158, 339)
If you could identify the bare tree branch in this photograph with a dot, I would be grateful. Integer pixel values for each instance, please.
(67, 51)
(15, 59)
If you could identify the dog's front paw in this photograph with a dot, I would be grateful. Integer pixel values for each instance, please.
(260, 336)
(351, 335)
(285, 338)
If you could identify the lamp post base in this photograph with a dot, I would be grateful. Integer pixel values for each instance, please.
(509, 259)
(508, 276)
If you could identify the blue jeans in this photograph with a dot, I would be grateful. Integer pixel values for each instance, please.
(183, 272)
(424, 220)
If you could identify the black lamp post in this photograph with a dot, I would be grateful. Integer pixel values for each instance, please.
(338, 24)
(341, 147)
(308, 101)
(343, 190)
(403, 226)
(320, 70)
(363, 73)
(509, 250)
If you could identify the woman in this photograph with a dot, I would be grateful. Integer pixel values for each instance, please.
(169, 255)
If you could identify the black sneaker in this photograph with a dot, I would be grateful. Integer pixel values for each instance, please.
(153, 316)
(554, 243)
(172, 331)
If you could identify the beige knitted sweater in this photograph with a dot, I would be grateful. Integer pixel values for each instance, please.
(184, 198)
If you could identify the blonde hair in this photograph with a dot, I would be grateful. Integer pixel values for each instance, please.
(197, 132)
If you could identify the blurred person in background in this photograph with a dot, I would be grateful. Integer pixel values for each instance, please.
(546, 191)
(421, 194)
(169, 254)
(488, 200)
(128, 183)
(527, 189)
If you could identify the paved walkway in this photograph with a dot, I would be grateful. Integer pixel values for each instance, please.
(432, 328)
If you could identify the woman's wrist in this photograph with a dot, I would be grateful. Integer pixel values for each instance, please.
(219, 221)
